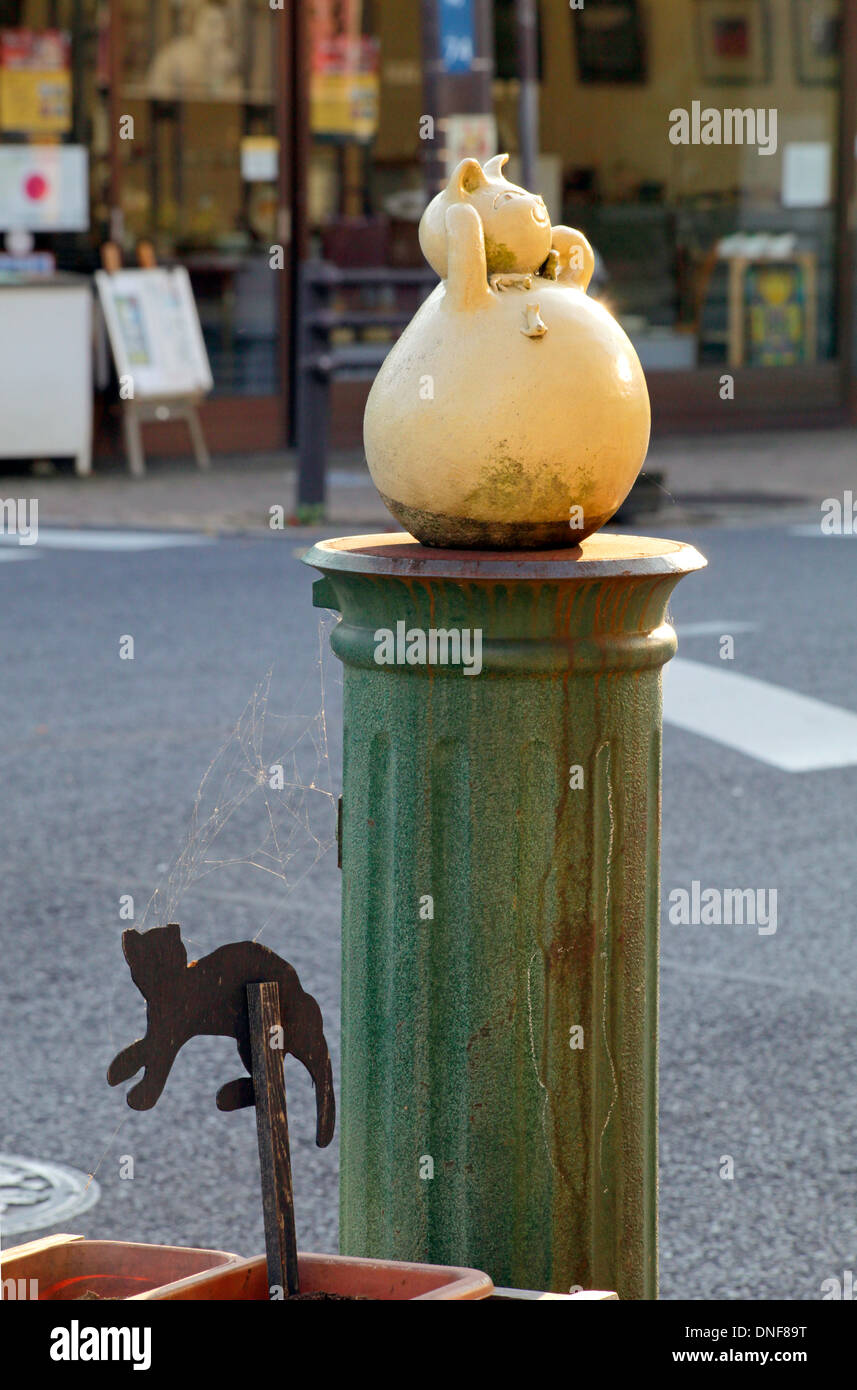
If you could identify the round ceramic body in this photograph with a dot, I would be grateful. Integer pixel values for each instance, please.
(518, 418)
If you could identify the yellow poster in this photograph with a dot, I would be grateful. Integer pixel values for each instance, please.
(35, 82)
(344, 91)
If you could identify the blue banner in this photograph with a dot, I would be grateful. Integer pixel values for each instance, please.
(457, 35)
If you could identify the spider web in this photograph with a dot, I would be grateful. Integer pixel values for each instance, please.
(265, 808)
(263, 816)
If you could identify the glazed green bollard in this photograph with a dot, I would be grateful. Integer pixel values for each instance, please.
(500, 877)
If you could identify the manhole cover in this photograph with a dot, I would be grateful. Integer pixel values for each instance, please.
(35, 1194)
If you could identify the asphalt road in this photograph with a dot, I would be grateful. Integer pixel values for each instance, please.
(101, 762)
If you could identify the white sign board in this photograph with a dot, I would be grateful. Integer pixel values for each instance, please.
(44, 188)
(154, 332)
(806, 175)
(469, 137)
(260, 158)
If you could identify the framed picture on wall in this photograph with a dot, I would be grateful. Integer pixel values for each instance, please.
(773, 311)
(817, 26)
(609, 41)
(734, 41)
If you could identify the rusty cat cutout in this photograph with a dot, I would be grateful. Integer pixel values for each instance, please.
(208, 997)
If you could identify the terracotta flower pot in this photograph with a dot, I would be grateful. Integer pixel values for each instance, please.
(66, 1267)
(339, 1275)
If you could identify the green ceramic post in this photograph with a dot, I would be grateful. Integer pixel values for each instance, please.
(500, 875)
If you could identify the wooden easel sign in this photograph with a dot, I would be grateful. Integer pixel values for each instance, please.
(159, 351)
(246, 992)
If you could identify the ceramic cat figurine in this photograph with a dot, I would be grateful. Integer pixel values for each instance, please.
(513, 411)
(208, 997)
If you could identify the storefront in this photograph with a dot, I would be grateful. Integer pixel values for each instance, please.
(706, 147)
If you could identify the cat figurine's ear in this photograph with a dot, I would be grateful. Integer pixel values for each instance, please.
(494, 167)
(171, 936)
(466, 177)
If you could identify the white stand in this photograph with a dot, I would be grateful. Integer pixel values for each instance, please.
(137, 413)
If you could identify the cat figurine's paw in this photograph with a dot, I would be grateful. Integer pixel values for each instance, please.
(502, 282)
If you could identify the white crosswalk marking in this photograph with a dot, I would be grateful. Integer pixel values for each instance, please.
(62, 538)
(792, 732)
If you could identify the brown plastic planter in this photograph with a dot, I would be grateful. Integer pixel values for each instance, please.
(68, 1267)
(385, 1280)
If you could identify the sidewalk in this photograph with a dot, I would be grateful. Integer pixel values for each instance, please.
(705, 478)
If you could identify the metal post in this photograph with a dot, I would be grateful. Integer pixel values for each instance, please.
(452, 83)
(291, 60)
(115, 227)
(312, 392)
(528, 90)
(434, 163)
(500, 858)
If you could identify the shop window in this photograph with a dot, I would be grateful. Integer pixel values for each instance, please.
(52, 150)
(709, 188)
(199, 176)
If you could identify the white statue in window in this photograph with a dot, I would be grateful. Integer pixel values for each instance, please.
(201, 63)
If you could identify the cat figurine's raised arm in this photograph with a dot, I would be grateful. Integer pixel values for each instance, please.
(513, 410)
(209, 997)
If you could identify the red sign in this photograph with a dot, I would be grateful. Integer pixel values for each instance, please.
(42, 52)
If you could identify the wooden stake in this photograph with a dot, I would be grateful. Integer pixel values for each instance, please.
(272, 1128)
